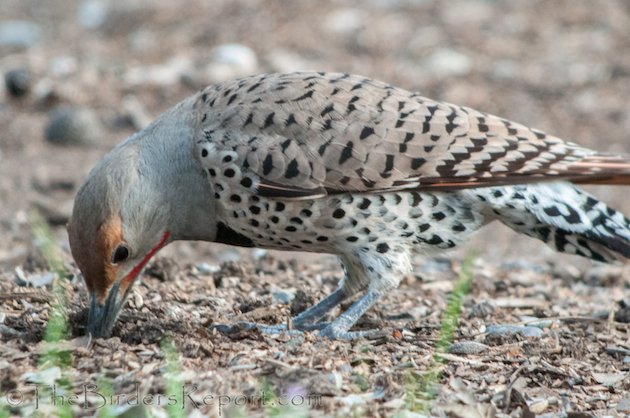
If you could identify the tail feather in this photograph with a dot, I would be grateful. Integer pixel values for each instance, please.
(601, 169)
(563, 216)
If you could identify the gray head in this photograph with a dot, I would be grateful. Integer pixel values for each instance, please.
(145, 193)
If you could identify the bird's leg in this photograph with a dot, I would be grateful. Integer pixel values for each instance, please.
(305, 321)
(316, 312)
(339, 328)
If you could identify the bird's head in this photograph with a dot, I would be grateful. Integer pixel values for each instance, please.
(117, 225)
(145, 193)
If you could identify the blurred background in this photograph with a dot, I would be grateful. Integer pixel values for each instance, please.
(80, 76)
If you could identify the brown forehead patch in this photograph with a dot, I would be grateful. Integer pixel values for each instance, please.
(93, 252)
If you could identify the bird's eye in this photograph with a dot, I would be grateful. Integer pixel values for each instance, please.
(121, 253)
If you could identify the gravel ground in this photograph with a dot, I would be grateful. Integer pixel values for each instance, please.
(82, 75)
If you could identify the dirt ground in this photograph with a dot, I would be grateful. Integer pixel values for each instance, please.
(561, 66)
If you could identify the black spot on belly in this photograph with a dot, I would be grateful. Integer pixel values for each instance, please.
(382, 247)
(226, 235)
(438, 216)
(435, 240)
(365, 203)
(246, 182)
(339, 213)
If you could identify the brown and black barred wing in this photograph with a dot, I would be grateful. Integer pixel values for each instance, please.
(305, 134)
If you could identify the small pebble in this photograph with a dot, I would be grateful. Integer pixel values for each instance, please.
(229, 255)
(230, 282)
(35, 280)
(240, 57)
(165, 74)
(17, 82)
(73, 126)
(346, 21)
(610, 379)
(226, 62)
(445, 63)
(137, 114)
(91, 14)
(207, 268)
(46, 377)
(54, 212)
(624, 405)
(539, 406)
(335, 379)
(44, 94)
(259, 253)
(64, 66)
(467, 347)
(503, 330)
(482, 309)
(537, 322)
(282, 296)
(285, 61)
(19, 33)
(136, 301)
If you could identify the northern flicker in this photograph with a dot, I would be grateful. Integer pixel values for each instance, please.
(332, 163)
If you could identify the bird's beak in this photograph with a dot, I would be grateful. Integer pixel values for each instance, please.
(102, 316)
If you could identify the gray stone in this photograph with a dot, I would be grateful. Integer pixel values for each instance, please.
(285, 61)
(482, 309)
(467, 347)
(73, 126)
(505, 330)
(17, 82)
(64, 66)
(624, 405)
(91, 14)
(228, 61)
(447, 62)
(19, 34)
(282, 296)
(346, 21)
(207, 268)
(259, 253)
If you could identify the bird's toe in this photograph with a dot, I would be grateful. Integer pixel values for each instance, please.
(335, 333)
(250, 326)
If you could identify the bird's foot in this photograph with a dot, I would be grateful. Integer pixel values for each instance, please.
(266, 329)
(337, 333)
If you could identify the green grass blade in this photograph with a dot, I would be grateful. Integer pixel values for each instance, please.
(421, 389)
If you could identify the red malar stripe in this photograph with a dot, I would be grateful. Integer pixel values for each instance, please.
(137, 269)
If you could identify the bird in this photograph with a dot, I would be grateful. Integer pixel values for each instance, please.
(332, 163)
